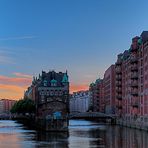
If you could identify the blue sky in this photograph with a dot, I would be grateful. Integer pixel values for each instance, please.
(82, 36)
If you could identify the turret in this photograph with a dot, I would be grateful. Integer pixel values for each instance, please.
(65, 79)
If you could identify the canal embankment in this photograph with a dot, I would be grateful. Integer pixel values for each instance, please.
(133, 124)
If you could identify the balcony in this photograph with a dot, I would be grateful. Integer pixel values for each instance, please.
(119, 97)
(134, 92)
(134, 75)
(119, 77)
(133, 59)
(134, 84)
(118, 89)
(134, 68)
(135, 104)
(118, 70)
(118, 83)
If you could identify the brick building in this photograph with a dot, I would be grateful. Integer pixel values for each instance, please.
(132, 80)
(102, 93)
(6, 105)
(96, 89)
(109, 90)
(50, 92)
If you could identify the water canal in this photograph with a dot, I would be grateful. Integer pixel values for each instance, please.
(82, 134)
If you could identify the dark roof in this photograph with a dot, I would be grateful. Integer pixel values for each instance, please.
(52, 75)
(144, 36)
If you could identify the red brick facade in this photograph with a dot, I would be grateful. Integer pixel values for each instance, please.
(132, 80)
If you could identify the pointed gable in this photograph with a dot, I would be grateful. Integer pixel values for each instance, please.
(65, 78)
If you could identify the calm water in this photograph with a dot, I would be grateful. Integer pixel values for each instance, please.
(82, 134)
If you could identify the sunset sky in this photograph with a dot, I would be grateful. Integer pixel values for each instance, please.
(82, 36)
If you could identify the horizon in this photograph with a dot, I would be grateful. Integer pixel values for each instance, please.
(83, 37)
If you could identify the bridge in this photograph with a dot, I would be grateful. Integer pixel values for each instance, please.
(92, 115)
(5, 116)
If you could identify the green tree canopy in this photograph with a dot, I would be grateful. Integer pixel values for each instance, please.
(24, 106)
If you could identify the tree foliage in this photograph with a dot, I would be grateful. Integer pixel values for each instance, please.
(24, 106)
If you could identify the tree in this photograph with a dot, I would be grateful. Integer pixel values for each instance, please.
(24, 106)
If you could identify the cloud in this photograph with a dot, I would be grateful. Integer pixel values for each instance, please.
(15, 81)
(78, 87)
(6, 56)
(6, 59)
(11, 91)
(17, 38)
(22, 75)
(13, 87)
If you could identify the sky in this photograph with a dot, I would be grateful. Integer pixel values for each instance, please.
(81, 36)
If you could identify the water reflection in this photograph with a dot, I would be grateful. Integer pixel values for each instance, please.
(52, 140)
(82, 134)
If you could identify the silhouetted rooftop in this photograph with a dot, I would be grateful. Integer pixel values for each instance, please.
(144, 36)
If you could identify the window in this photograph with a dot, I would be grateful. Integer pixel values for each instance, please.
(51, 93)
(45, 82)
(49, 99)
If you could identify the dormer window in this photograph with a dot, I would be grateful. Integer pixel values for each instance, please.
(53, 82)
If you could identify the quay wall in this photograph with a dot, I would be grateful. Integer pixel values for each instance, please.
(133, 124)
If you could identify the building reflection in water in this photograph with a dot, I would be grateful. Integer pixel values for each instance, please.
(87, 137)
(51, 139)
(120, 137)
(82, 134)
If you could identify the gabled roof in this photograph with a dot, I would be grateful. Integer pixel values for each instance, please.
(65, 78)
(53, 81)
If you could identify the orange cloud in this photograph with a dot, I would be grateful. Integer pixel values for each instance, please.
(22, 75)
(15, 81)
(11, 91)
(78, 87)
(13, 88)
